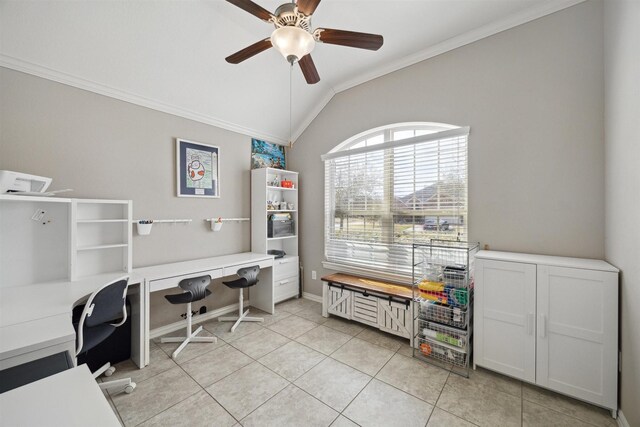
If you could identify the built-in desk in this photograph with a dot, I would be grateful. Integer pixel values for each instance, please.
(35, 320)
(164, 276)
(71, 398)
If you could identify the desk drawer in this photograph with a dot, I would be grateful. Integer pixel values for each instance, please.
(172, 282)
(285, 288)
(285, 267)
(232, 270)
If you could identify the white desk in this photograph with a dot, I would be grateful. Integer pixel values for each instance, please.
(165, 276)
(70, 398)
(35, 320)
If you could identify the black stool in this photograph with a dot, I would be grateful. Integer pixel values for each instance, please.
(195, 289)
(248, 278)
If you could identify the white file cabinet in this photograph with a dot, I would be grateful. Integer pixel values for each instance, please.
(550, 321)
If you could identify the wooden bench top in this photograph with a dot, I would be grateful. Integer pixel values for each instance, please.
(385, 288)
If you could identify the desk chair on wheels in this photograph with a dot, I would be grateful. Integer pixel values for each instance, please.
(195, 289)
(248, 278)
(102, 308)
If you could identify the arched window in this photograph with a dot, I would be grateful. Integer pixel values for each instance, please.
(390, 187)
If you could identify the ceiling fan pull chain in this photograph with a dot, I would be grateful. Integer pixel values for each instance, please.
(290, 103)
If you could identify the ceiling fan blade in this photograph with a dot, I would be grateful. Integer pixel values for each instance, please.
(252, 8)
(249, 51)
(349, 38)
(309, 69)
(307, 6)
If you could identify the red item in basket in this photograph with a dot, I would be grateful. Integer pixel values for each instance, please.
(286, 184)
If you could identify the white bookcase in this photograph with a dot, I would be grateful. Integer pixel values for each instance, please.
(45, 239)
(264, 193)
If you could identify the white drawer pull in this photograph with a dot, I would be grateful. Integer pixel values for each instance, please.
(282, 282)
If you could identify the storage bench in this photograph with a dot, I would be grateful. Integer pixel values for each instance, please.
(383, 305)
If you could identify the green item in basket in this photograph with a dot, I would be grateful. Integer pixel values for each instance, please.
(442, 337)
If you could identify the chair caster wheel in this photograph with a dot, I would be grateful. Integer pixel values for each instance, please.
(129, 388)
(109, 371)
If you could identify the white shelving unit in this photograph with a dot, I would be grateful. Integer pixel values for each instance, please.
(285, 270)
(100, 237)
(46, 239)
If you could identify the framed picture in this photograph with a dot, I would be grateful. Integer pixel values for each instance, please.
(197, 169)
(266, 155)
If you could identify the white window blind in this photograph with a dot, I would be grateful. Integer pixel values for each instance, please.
(384, 194)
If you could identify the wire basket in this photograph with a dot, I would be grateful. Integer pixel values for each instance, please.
(452, 336)
(442, 352)
(452, 316)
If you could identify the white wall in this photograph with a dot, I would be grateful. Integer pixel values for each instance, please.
(622, 125)
(533, 96)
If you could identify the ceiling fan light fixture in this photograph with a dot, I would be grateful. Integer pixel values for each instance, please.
(292, 42)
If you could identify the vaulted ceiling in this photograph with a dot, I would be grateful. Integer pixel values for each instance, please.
(169, 55)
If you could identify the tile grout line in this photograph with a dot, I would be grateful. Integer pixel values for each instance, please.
(561, 413)
(205, 390)
(365, 386)
(201, 388)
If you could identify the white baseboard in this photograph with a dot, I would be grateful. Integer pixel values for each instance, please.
(312, 297)
(198, 318)
(622, 421)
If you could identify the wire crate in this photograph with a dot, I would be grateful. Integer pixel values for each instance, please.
(452, 316)
(435, 331)
(443, 353)
(443, 282)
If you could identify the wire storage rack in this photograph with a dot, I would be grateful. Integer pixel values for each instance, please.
(443, 284)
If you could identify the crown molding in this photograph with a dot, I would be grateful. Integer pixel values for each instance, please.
(469, 37)
(306, 121)
(512, 21)
(101, 89)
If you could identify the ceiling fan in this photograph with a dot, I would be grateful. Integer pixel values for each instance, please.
(294, 38)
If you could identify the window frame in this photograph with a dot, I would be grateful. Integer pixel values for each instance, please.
(350, 147)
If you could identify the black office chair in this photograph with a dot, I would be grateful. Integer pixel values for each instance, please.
(195, 289)
(248, 278)
(96, 324)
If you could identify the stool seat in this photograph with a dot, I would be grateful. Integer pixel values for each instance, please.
(195, 289)
(239, 283)
(186, 297)
(248, 277)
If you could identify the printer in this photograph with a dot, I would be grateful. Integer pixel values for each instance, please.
(17, 182)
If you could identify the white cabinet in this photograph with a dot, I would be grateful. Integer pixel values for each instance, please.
(551, 321)
(577, 347)
(269, 197)
(505, 310)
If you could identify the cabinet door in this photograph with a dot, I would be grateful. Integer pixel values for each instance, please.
(395, 318)
(505, 306)
(338, 302)
(578, 333)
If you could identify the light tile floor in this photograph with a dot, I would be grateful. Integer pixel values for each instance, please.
(301, 369)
